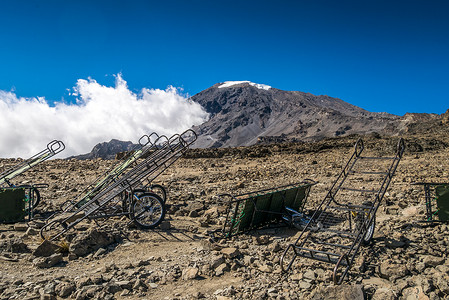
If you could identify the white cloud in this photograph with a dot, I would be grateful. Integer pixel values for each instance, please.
(100, 114)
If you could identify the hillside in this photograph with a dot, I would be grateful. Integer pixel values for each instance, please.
(244, 113)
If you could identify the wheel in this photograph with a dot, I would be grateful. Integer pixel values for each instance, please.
(147, 210)
(126, 195)
(34, 196)
(360, 220)
(159, 190)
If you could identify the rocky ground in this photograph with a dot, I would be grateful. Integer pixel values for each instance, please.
(179, 260)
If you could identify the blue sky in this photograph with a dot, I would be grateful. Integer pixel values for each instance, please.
(380, 55)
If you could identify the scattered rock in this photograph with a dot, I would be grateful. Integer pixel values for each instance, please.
(262, 240)
(165, 225)
(392, 271)
(45, 249)
(230, 252)
(48, 262)
(221, 269)
(339, 292)
(14, 245)
(190, 273)
(90, 241)
(20, 227)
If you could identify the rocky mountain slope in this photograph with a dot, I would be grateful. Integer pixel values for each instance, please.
(243, 113)
(107, 150)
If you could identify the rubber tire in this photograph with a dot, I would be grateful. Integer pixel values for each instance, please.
(360, 219)
(149, 202)
(37, 197)
(159, 190)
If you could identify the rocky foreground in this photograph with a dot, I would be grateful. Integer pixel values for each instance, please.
(180, 260)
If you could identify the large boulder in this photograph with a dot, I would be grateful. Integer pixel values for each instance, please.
(90, 241)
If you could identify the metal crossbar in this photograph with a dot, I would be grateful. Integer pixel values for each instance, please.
(146, 144)
(117, 197)
(255, 209)
(53, 148)
(346, 217)
(32, 195)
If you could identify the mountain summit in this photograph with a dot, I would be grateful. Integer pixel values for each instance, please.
(243, 113)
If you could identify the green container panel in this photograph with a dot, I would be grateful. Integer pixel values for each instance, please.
(442, 195)
(12, 205)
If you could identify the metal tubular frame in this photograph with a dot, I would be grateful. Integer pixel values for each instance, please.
(53, 148)
(322, 238)
(113, 172)
(235, 207)
(107, 201)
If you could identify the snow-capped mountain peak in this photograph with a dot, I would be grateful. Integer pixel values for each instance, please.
(227, 84)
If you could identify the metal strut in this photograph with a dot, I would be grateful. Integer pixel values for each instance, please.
(345, 219)
(121, 194)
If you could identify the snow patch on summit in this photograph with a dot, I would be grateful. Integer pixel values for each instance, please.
(257, 85)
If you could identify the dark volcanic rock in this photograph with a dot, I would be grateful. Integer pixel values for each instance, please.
(107, 150)
(90, 241)
(244, 114)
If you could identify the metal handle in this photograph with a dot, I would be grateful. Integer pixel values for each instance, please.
(55, 146)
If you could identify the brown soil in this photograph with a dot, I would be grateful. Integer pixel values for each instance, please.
(157, 258)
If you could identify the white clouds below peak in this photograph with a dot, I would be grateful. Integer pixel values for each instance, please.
(101, 113)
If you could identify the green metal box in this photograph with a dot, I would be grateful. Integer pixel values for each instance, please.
(12, 205)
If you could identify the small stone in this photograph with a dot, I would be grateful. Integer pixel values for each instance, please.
(190, 273)
(165, 225)
(20, 227)
(31, 231)
(194, 214)
(65, 289)
(47, 262)
(296, 277)
(85, 281)
(230, 252)
(45, 249)
(216, 261)
(248, 260)
(99, 252)
(153, 285)
(262, 240)
(415, 292)
(309, 274)
(124, 284)
(265, 269)
(221, 269)
(212, 212)
(433, 261)
(304, 285)
(392, 271)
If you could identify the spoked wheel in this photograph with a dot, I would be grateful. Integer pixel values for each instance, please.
(159, 190)
(360, 220)
(147, 210)
(127, 198)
